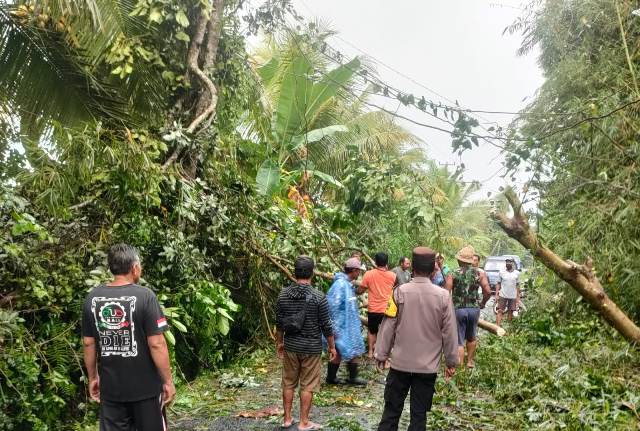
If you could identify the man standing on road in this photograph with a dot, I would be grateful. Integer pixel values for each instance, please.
(302, 317)
(467, 283)
(343, 306)
(379, 282)
(125, 351)
(419, 327)
(403, 275)
(507, 291)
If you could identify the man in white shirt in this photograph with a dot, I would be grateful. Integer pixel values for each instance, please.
(507, 291)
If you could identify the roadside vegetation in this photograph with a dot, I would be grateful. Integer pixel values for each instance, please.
(155, 123)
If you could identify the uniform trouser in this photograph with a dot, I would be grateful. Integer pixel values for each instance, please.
(399, 383)
(144, 415)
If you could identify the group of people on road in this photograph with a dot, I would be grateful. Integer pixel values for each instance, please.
(417, 312)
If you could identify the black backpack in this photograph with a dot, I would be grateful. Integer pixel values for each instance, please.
(293, 324)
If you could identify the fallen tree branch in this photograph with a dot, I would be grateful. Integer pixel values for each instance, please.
(172, 158)
(274, 261)
(362, 252)
(580, 277)
(491, 327)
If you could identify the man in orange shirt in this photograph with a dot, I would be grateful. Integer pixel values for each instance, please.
(379, 282)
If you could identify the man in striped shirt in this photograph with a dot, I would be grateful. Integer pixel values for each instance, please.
(302, 317)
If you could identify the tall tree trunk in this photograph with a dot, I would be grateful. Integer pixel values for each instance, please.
(580, 277)
(209, 24)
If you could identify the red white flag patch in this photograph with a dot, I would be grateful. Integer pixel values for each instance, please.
(162, 322)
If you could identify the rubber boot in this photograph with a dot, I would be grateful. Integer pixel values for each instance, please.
(332, 374)
(353, 375)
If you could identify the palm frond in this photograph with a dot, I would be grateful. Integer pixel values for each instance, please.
(42, 75)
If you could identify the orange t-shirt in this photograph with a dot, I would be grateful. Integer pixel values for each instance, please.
(379, 283)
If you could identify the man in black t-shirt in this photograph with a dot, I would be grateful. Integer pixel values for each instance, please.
(125, 352)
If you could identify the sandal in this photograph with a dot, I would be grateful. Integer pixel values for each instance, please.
(312, 427)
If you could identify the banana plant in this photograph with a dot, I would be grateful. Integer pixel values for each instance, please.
(300, 98)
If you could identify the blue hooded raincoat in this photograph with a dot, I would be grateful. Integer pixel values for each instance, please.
(343, 307)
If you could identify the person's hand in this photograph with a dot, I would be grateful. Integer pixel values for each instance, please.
(94, 389)
(381, 365)
(168, 393)
(449, 372)
(280, 350)
(333, 354)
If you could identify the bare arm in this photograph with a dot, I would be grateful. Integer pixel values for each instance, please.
(160, 355)
(280, 344)
(364, 285)
(486, 289)
(91, 363)
(448, 282)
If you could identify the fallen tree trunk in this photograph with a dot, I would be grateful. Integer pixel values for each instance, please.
(580, 277)
(491, 327)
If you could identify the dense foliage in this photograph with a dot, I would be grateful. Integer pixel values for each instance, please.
(578, 138)
(97, 109)
(105, 137)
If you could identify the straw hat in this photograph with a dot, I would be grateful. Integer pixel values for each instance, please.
(466, 254)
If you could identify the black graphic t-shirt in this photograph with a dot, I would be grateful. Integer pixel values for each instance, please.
(120, 319)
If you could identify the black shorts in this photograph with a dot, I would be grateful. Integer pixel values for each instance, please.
(144, 415)
(374, 320)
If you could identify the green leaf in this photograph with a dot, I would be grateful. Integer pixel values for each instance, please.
(224, 312)
(316, 135)
(327, 178)
(170, 338)
(181, 35)
(223, 325)
(179, 325)
(268, 177)
(182, 19)
(295, 86)
(155, 15)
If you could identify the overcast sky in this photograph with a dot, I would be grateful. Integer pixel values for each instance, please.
(453, 47)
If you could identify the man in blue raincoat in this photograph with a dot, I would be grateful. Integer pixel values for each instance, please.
(343, 307)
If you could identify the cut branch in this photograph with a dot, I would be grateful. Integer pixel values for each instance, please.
(491, 327)
(580, 277)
